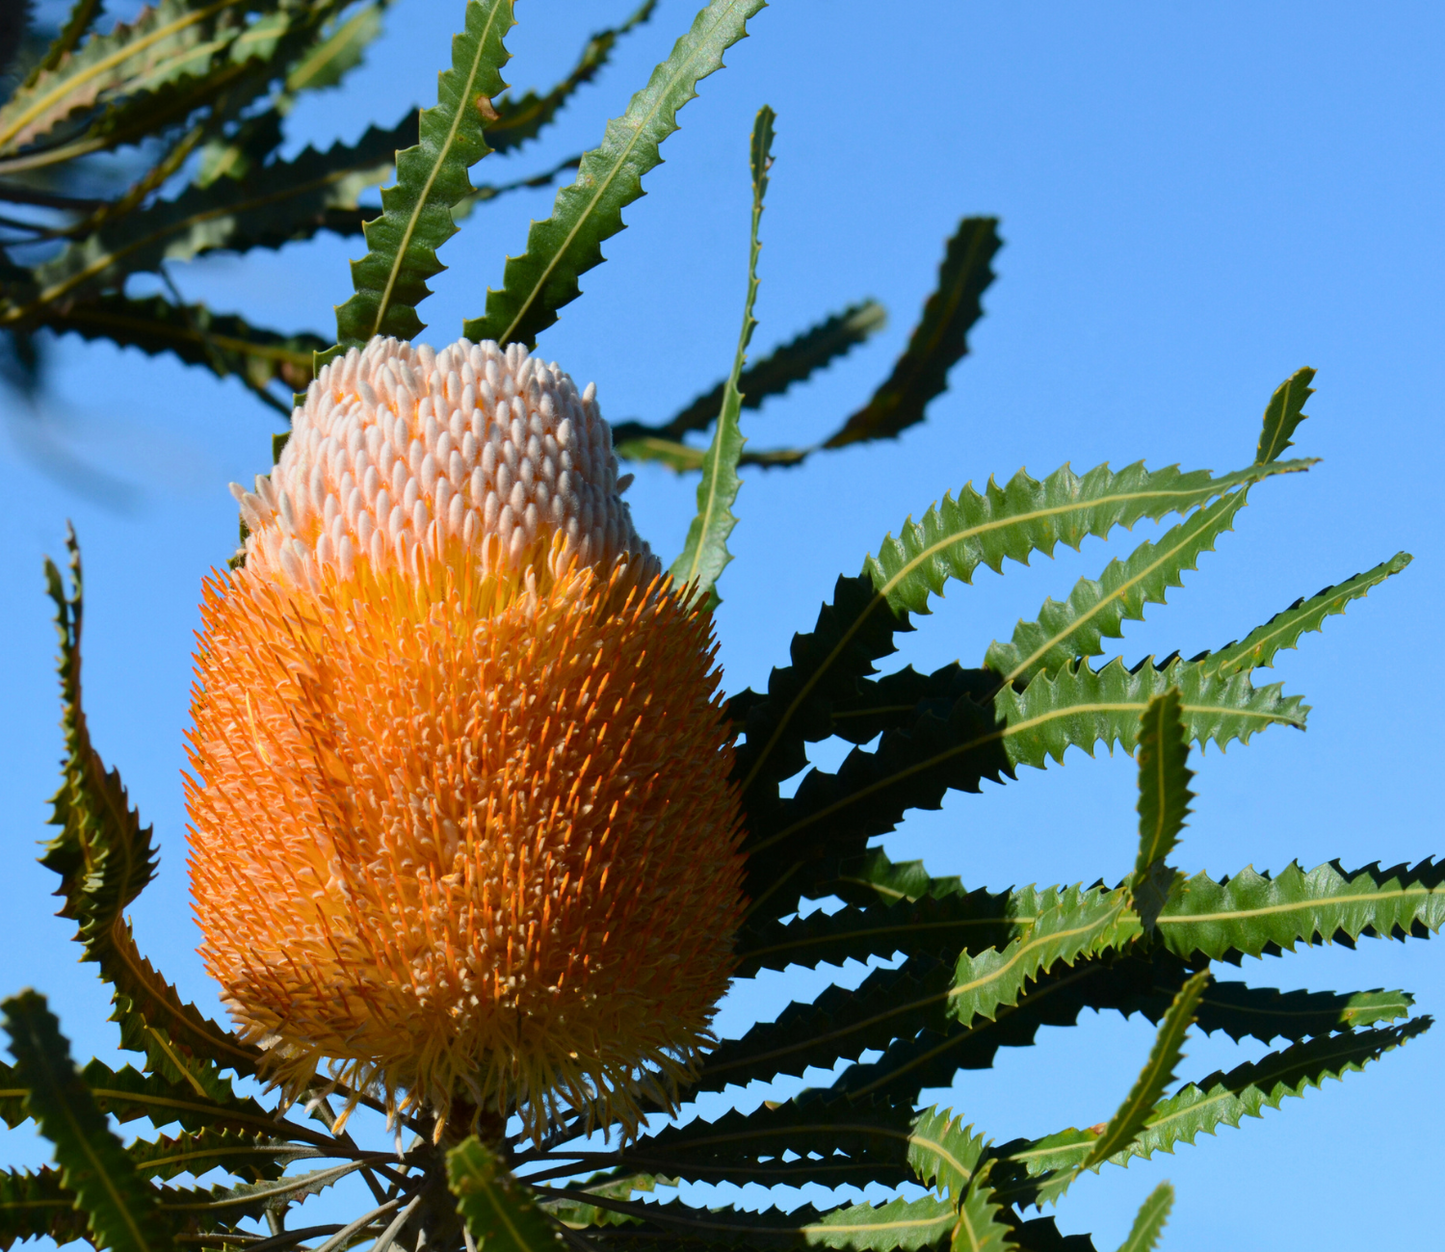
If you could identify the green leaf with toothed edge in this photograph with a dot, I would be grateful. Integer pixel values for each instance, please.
(431, 178)
(104, 858)
(705, 554)
(36, 1205)
(497, 1210)
(1064, 632)
(1164, 796)
(792, 362)
(954, 538)
(1260, 646)
(834, 814)
(1028, 1172)
(978, 1228)
(1129, 1121)
(522, 119)
(120, 1207)
(567, 244)
(1251, 913)
(938, 342)
(252, 1157)
(1149, 1222)
(943, 1152)
(1283, 415)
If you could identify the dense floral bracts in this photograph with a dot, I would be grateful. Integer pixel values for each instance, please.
(461, 818)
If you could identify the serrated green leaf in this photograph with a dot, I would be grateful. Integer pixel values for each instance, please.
(1081, 924)
(1283, 414)
(1097, 609)
(1259, 647)
(978, 1228)
(1129, 1121)
(938, 342)
(523, 119)
(705, 553)
(1218, 1100)
(1266, 1014)
(792, 362)
(253, 1157)
(1252, 913)
(127, 1094)
(945, 1153)
(37, 1205)
(104, 858)
(955, 537)
(82, 17)
(119, 1207)
(210, 1208)
(567, 244)
(1149, 1223)
(431, 177)
(339, 51)
(579, 1215)
(899, 1224)
(496, 1208)
(222, 342)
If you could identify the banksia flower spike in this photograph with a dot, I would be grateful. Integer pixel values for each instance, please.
(461, 824)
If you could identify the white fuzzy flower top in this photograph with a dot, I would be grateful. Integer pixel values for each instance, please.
(400, 451)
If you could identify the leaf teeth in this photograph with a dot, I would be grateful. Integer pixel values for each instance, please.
(1283, 415)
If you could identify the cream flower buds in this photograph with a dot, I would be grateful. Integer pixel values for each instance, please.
(461, 820)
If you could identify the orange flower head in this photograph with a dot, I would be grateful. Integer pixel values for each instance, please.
(461, 820)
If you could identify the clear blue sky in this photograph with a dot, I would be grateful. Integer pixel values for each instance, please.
(1196, 200)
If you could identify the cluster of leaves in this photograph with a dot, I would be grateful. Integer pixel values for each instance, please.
(960, 973)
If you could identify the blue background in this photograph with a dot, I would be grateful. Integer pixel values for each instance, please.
(1196, 200)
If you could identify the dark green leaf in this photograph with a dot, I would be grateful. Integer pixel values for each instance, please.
(33, 1206)
(1164, 796)
(567, 244)
(793, 362)
(250, 1156)
(943, 1152)
(431, 177)
(119, 1207)
(705, 554)
(979, 1228)
(938, 342)
(497, 1209)
(1283, 414)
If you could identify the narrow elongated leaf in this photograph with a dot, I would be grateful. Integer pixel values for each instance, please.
(1148, 1225)
(705, 554)
(221, 342)
(1283, 414)
(1266, 1014)
(567, 244)
(897, 701)
(495, 1207)
(127, 1094)
(82, 17)
(119, 1207)
(1254, 913)
(1164, 778)
(1129, 1121)
(211, 1208)
(1259, 647)
(792, 362)
(955, 537)
(36, 1205)
(938, 342)
(901, 1224)
(523, 119)
(253, 1157)
(1097, 609)
(104, 858)
(431, 177)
